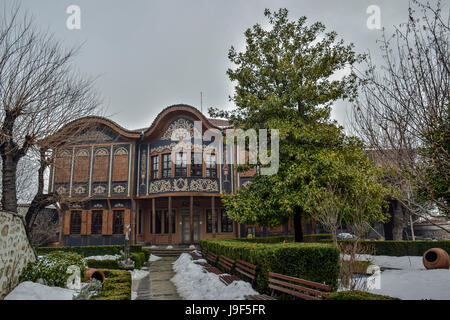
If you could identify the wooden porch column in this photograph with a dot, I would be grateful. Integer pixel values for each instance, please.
(191, 215)
(213, 213)
(153, 217)
(170, 219)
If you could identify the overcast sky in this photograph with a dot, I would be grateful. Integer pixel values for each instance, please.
(152, 54)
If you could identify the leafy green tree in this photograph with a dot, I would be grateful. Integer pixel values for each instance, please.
(286, 80)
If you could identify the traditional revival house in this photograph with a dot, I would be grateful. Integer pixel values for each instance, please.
(111, 178)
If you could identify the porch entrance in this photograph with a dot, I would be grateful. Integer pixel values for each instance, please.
(186, 225)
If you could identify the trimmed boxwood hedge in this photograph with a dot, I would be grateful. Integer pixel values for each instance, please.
(102, 264)
(87, 251)
(117, 285)
(312, 261)
(317, 237)
(276, 239)
(358, 295)
(138, 258)
(404, 247)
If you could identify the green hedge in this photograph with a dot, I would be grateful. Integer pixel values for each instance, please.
(147, 253)
(404, 247)
(278, 239)
(358, 295)
(139, 259)
(117, 285)
(102, 264)
(317, 237)
(311, 261)
(87, 251)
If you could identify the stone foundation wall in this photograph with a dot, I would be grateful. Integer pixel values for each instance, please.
(15, 251)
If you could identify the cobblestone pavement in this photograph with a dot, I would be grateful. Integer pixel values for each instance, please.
(157, 285)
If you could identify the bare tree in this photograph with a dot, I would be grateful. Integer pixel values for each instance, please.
(402, 108)
(39, 93)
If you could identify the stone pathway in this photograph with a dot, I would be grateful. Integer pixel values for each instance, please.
(157, 285)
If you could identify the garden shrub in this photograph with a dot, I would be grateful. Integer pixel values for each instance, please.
(147, 253)
(139, 259)
(117, 285)
(358, 295)
(311, 261)
(105, 264)
(52, 268)
(87, 251)
(317, 237)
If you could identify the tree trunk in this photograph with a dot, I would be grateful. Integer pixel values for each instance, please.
(9, 193)
(393, 229)
(298, 224)
(398, 221)
(40, 200)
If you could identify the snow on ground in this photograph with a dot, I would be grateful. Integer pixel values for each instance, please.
(104, 257)
(34, 291)
(194, 284)
(404, 263)
(415, 284)
(138, 274)
(133, 295)
(153, 258)
(409, 279)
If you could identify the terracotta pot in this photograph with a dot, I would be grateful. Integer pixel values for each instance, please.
(95, 273)
(436, 258)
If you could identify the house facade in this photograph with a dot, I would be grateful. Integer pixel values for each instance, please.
(118, 182)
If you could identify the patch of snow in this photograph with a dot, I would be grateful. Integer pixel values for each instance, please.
(133, 295)
(169, 247)
(194, 284)
(35, 291)
(415, 284)
(403, 263)
(191, 246)
(104, 257)
(345, 236)
(153, 258)
(138, 274)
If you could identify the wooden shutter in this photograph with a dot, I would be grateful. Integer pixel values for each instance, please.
(105, 222)
(110, 222)
(66, 222)
(89, 222)
(83, 222)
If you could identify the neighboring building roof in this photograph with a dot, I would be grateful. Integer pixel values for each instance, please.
(219, 122)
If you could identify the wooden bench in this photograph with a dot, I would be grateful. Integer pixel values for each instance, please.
(296, 287)
(211, 257)
(227, 264)
(246, 269)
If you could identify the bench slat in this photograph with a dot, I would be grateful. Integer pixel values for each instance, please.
(297, 287)
(292, 292)
(298, 280)
(245, 273)
(246, 265)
